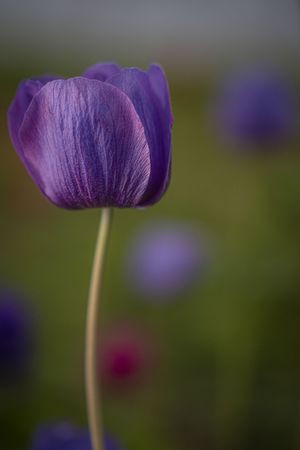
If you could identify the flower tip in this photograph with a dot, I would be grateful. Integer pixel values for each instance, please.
(64, 436)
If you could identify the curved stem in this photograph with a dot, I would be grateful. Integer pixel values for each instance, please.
(91, 381)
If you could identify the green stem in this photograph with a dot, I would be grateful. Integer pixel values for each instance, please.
(91, 379)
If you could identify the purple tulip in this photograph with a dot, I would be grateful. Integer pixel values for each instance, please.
(16, 335)
(101, 139)
(63, 436)
(164, 260)
(257, 107)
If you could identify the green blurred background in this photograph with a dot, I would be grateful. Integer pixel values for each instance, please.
(228, 376)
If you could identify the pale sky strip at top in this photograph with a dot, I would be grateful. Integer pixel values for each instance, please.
(167, 28)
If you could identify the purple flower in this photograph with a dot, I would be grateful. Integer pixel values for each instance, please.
(257, 107)
(16, 335)
(164, 260)
(102, 139)
(63, 436)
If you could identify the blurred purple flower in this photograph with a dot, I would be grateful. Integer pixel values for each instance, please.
(164, 260)
(126, 355)
(257, 107)
(102, 139)
(16, 335)
(63, 436)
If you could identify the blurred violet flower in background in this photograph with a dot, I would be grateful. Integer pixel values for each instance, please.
(127, 356)
(257, 107)
(63, 436)
(16, 336)
(164, 260)
(101, 139)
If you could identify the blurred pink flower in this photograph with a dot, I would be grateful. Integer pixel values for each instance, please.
(126, 355)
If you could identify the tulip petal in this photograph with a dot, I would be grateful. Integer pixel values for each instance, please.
(102, 71)
(25, 93)
(85, 145)
(157, 123)
(160, 87)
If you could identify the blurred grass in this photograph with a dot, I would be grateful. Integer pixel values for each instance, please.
(229, 365)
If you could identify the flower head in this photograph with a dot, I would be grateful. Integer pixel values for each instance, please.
(15, 335)
(63, 436)
(164, 259)
(101, 139)
(257, 107)
(126, 355)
